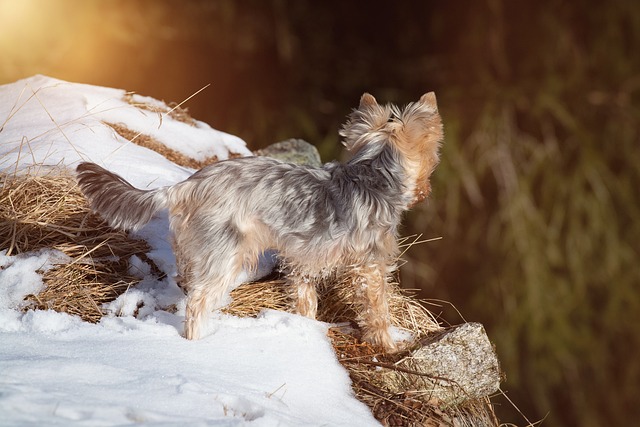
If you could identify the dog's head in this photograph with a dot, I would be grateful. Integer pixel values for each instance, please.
(415, 132)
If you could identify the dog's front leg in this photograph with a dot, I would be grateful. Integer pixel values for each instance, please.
(371, 283)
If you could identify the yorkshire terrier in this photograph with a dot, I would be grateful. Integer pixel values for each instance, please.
(340, 219)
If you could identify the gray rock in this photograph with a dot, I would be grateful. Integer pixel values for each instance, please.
(292, 150)
(458, 365)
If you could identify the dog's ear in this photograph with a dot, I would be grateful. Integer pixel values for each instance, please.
(367, 100)
(430, 100)
(367, 119)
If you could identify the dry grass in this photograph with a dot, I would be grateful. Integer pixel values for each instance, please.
(151, 143)
(250, 299)
(336, 304)
(48, 211)
(82, 288)
(367, 367)
(176, 112)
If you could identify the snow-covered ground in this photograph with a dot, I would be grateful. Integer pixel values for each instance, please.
(55, 370)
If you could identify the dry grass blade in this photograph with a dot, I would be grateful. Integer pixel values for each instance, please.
(176, 112)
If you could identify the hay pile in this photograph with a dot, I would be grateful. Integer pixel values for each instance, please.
(40, 211)
(48, 211)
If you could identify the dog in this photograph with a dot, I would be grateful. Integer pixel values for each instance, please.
(340, 219)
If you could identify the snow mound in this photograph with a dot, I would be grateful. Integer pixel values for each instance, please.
(275, 370)
(48, 122)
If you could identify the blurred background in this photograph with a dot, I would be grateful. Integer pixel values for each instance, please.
(537, 197)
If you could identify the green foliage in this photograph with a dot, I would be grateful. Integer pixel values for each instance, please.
(538, 203)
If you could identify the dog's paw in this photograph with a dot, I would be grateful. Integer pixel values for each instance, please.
(191, 331)
(380, 338)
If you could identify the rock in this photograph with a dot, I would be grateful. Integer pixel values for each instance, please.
(458, 365)
(292, 150)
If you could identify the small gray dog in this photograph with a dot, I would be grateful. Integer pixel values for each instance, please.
(340, 219)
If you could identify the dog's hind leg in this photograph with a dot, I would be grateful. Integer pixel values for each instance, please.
(207, 259)
(199, 305)
(209, 267)
(305, 294)
(204, 296)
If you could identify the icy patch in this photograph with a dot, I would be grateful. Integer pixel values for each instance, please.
(399, 335)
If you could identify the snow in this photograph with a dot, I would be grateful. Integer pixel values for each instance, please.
(278, 369)
(18, 274)
(51, 122)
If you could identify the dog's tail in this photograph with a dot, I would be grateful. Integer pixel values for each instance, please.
(117, 201)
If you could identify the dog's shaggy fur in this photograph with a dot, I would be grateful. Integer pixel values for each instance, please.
(338, 219)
